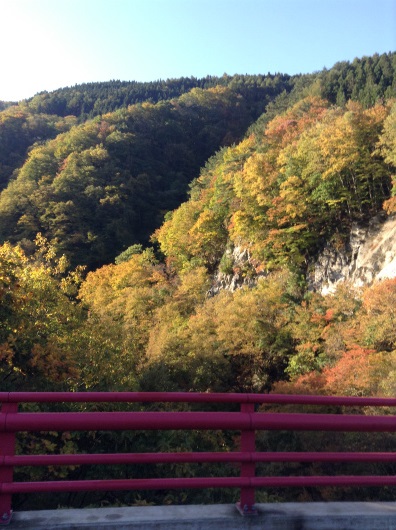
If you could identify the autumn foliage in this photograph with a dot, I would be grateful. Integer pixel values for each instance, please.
(111, 280)
(296, 181)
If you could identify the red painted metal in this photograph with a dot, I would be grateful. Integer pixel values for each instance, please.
(248, 469)
(117, 421)
(323, 422)
(121, 421)
(126, 484)
(191, 397)
(197, 483)
(185, 458)
(7, 448)
(246, 422)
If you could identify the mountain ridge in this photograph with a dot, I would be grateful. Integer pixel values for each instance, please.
(216, 188)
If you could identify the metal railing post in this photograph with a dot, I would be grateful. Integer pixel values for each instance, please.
(7, 448)
(248, 469)
(247, 421)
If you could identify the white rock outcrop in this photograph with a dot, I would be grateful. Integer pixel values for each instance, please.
(369, 256)
(243, 274)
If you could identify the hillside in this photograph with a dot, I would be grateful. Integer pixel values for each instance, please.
(126, 168)
(186, 244)
(130, 166)
(106, 183)
(262, 210)
(93, 99)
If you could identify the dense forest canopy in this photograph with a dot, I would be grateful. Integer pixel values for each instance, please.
(121, 201)
(95, 186)
(93, 99)
(105, 184)
(323, 170)
(279, 188)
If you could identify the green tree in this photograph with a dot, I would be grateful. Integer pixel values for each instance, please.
(37, 318)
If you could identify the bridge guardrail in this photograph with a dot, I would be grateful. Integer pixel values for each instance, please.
(247, 421)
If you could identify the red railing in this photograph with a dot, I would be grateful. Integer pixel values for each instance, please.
(247, 421)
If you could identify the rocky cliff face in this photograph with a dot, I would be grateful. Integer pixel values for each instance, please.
(243, 272)
(370, 255)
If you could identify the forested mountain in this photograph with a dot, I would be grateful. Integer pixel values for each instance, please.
(105, 184)
(5, 104)
(93, 99)
(304, 172)
(113, 229)
(98, 187)
(365, 79)
(20, 130)
(323, 170)
(32, 120)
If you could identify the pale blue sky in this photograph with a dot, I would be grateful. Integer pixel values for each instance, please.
(47, 44)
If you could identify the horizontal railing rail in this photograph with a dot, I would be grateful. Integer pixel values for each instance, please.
(192, 397)
(247, 422)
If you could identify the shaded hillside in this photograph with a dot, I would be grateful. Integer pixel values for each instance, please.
(20, 129)
(106, 184)
(33, 120)
(92, 99)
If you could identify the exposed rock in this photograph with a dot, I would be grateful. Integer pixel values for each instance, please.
(370, 255)
(243, 272)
